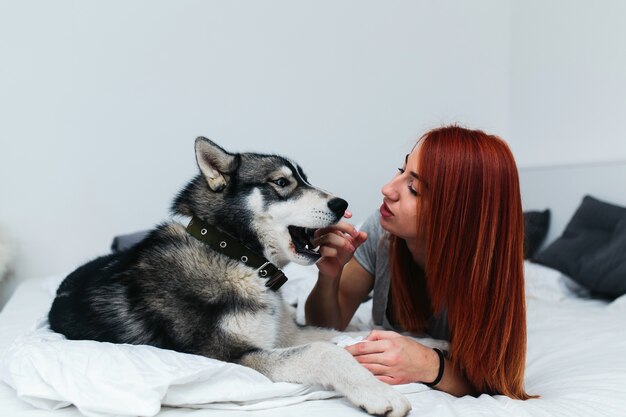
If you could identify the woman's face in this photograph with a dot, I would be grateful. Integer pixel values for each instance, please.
(402, 200)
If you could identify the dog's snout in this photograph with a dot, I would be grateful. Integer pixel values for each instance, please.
(338, 206)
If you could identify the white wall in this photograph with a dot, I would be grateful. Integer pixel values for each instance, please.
(568, 81)
(100, 101)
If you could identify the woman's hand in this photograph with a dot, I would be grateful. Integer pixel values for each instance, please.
(337, 245)
(396, 359)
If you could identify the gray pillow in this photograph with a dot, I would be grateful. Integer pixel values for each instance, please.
(536, 226)
(123, 242)
(592, 249)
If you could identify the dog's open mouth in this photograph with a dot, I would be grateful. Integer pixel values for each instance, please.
(302, 240)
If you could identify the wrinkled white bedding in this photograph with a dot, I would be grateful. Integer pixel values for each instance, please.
(576, 361)
(103, 378)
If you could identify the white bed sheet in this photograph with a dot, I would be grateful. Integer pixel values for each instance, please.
(576, 361)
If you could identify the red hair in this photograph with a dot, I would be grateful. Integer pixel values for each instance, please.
(472, 214)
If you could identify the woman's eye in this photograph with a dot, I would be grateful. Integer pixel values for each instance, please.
(410, 186)
(281, 182)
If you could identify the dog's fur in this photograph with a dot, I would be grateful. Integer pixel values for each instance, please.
(175, 292)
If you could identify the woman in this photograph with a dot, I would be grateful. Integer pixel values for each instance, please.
(444, 256)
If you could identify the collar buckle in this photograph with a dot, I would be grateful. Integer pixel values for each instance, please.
(276, 277)
(276, 281)
(262, 271)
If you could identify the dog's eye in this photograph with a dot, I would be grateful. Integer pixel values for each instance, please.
(281, 182)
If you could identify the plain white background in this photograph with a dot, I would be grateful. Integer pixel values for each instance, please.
(100, 102)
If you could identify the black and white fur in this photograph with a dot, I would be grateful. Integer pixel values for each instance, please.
(173, 291)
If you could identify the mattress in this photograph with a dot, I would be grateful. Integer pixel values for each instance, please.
(575, 362)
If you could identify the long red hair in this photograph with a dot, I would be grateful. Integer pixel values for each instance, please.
(472, 214)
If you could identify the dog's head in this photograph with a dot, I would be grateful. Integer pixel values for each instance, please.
(265, 201)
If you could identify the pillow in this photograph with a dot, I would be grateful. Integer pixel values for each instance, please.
(123, 242)
(592, 249)
(547, 284)
(536, 225)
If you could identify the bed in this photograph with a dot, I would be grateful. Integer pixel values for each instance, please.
(576, 356)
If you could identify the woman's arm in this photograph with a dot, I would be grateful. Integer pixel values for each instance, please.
(333, 300)
(396, 359)
(453, 381)
(342, 283)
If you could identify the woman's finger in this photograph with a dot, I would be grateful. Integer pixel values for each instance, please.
(342, 227)
(332, 239)
(387, 379)
(360, 238)
(328, 252)
(367, 348)
(381, 335)
(377, 369)
(372, 359)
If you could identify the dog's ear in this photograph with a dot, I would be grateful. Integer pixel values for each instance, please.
(215, 163)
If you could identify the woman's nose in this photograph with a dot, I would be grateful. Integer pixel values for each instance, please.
(390, 189)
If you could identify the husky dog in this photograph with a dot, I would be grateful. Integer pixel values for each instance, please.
(210, 288)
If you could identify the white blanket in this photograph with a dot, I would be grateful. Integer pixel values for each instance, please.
(103, 379)
(576, 361)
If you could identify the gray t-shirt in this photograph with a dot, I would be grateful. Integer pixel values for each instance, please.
(373, 256)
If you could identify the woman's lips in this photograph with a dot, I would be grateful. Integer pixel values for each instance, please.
(384, 211)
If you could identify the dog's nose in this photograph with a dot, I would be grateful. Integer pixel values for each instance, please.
(338, 206)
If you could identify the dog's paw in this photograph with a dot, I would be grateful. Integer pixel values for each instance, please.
(383, 401)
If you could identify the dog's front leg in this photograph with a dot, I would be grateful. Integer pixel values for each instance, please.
(322, 363)
(291, 334)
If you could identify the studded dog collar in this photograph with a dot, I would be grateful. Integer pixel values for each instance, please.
(226, 244)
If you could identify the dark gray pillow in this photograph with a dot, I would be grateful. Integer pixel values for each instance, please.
(536, 225)
(592, 249)
(123, 242)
